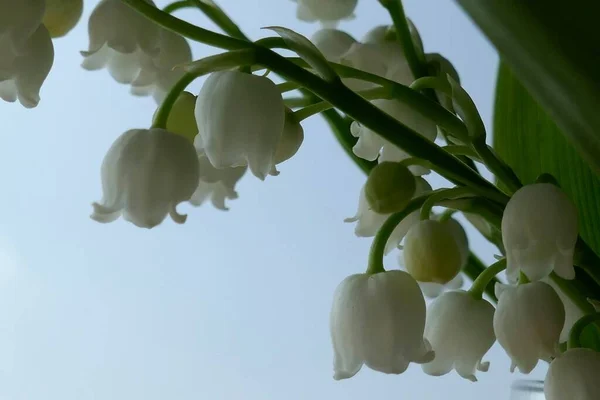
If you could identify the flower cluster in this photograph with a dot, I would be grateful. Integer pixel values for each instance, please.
(199, 146)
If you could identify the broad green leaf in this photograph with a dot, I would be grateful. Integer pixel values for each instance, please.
(305, 49)
(531, 143)
(553, 47)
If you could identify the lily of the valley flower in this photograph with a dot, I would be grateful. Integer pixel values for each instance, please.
(241, 119)
(145, 175)
(434, 251)
(174, 51)
(123, 41)
(329, 12)
(528, 322)
(291, 139)
(539, 231)
(332, 43)
(460, 329)
(572, 311)
(378, 320)
(26, 51)
(368, 222)
(216, 184)
(574, 375)
(61, 16)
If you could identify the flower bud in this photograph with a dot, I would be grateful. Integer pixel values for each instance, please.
(240, 119)
(328, 12)
(145, 175)
(181, 118)
(390, 187)
(432, 252)
(528, 322)
(369, 221)
(378, 320)
(460, 329)
(539, 231)
(332, 43)
(574, 375)
(61, 16)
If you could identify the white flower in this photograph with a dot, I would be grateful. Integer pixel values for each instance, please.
(240, 119)
(145, 175)
(19, 20)
(378, 320)
(329, 12)
(61, 16)
(122, 40)
(572, 312)
(574, 376)
(23, 73)
(369, 222)
(332, 43)
(528, 322)
(290, 141)
(434, 251)
(216, 184)
(539, 231)
(157, 81)
(370, 146)
(460, 329)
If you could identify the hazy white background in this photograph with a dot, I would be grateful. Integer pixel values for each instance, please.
(228, 306)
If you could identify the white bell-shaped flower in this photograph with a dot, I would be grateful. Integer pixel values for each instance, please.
(174, 51)
(460, 329)
(328, 12)
(433, 251)
(378, 320)
(145, 175)
(22, 74)
(332, 43)
(216, 184)
(528, 322)
(290, 141)
(19, 20)
(370, 146)
(368, 222)
(241, 119)
(572, 311)
(123, 41)
(539, 231)
(574, 376)
(61, 16)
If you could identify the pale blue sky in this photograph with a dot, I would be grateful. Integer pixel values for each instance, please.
(228, 306)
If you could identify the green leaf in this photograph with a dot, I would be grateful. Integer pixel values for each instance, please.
(308, 51)
(531, 143)
(554, 50)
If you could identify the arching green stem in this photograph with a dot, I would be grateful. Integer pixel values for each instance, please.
(176, 5)
(221, 19)
(370, 94)
(383, 235)
(443, 194)
(202, 67)
(577, 329)
(486, 277)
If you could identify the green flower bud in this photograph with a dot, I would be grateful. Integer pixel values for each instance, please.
(390, 187)
(182, 120)
(433, 251)
(61, 16)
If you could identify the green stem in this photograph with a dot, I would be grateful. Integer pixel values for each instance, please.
(396, 11)
(578, 328)
(496, 166)
(220, 19)
(446, 215)
(177, 5)
(474, 268)
(459, 150)
(442, 194)
(370, 94)
(288, 87)
(482, 281)
(432, 82)
(523, 279)
(383, 235)
(201, 67)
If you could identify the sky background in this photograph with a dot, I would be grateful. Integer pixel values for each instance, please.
(231, 305)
